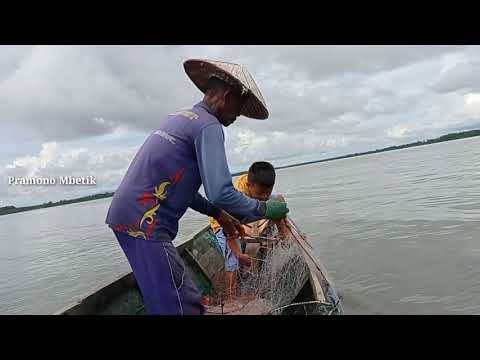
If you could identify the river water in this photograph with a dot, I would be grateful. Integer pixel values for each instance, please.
(398, 232)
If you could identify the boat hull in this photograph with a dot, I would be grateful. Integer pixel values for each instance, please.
(204, 261)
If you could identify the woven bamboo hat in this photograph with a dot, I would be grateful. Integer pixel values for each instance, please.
(200, 71)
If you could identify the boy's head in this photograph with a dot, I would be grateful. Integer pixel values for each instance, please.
(261, 178)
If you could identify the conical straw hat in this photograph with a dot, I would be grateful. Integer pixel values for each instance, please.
(200, 71)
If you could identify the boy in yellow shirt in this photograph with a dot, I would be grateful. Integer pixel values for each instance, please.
(258, 184)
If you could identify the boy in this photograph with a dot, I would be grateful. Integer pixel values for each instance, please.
(258, 184)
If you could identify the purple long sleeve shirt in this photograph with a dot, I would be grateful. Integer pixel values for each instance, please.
(164, 178)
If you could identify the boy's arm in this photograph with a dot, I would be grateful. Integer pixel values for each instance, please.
(243, 258)
(232, 242)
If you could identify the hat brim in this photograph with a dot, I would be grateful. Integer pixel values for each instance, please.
(200, 71)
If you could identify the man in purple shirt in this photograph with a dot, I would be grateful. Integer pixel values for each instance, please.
(162, 182)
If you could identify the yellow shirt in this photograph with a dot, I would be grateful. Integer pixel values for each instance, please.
(241, 185)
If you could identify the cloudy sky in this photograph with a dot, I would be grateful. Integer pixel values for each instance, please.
(85, 110)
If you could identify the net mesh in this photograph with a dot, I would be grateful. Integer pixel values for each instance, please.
(278, 279)
(272, 284)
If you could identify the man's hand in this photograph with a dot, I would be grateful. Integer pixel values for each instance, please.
(275, 209)
(231, 226)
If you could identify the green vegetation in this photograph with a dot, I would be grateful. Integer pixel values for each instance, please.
(453, 136)
(12, 209)
(448, 137)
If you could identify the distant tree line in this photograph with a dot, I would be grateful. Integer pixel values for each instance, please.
(453, 136)
(448, 137)
(12, 209)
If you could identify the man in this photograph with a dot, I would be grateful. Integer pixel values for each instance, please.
(186, 151)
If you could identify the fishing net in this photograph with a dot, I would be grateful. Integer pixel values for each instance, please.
(281, 275)
(308, 308)
(272, 285)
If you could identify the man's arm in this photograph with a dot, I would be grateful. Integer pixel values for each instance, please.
(217, 180)
(205, 207)
(230, 224)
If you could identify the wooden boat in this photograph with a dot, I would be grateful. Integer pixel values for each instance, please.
(203, 259)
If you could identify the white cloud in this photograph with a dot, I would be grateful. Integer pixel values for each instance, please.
(61, 90)
(58, 160)
(397, 132)
(90, 106)
(461, 72)
(245, 146)
(471, 106)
